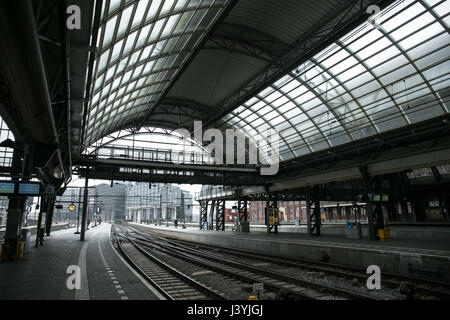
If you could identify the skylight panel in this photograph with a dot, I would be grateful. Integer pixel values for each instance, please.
(109, 31)
(124, 21)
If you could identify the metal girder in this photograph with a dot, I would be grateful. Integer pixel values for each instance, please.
(203, 213)
(436, 173)
(191, 105)
(211, 215)
(119, 135)
(49, 215)
(271, 202)
(91, 60)
(313, 217)
(345, 191)
(242, 208)
(26, 76)
(254, 172)
(13, 119)
(429, 146)
(253, 43)
(176, 174)
(220, 215)
(333, 25)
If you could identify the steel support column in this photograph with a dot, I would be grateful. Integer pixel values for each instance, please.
(369, 208)
(211, 215)
(43, 209)
(271, 204)
(78, 212)
(203, 213)
(49, 215)
(85, 208)
(182, 210)
(220, 215)
(313, 218)
(242, 210)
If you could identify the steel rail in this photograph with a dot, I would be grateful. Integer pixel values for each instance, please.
(191, 282)
(389, 279)
(274, 275)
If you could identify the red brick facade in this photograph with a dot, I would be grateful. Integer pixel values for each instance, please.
(289, 211)
(296, 210)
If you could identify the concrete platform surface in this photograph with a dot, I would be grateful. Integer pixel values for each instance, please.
(413, 231)
(424, 259)
(42, 272)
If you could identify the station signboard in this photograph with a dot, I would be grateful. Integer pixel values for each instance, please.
(7, 187)
(20, 188)
(29, 188)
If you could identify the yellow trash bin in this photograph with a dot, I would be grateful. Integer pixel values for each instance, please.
(19, 251)
(384, 234)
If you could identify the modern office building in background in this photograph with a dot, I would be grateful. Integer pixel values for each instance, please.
(110, 201)
(148, 203)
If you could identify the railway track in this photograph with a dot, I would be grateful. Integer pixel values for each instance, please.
(171, 283)
(422, 286)
(293, 287)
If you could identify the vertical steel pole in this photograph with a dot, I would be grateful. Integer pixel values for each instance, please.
(308, 210)
(85, 205)
(38, 226)
(78, 215)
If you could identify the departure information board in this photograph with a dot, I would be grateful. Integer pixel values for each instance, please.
(29, 188)
(20, 188)
(7, 187)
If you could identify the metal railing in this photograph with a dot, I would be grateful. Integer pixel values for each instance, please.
(149, 154)
(214, 193)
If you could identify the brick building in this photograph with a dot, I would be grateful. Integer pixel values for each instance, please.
(289, 211)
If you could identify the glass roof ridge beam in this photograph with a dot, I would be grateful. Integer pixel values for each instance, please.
(186, 103)
(243, 42)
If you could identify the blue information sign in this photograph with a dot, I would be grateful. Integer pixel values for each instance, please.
(29, 188)
(7, 187)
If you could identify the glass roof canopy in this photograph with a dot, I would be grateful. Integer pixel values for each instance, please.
(141, 46)
(150, 144)
(370, 81)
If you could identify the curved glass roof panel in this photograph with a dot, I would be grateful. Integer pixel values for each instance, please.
(370, 81)
(141, 46)
(150, 144)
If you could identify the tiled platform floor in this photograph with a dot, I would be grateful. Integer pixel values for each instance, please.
(41, 272)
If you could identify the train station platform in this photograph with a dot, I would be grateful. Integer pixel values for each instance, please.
(426, 259)
(42, 272)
